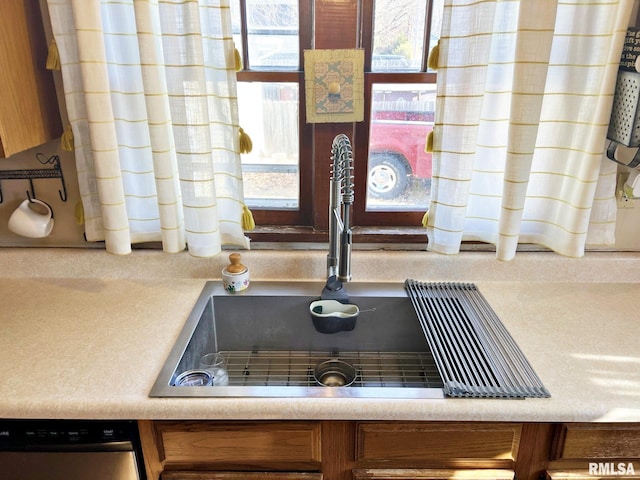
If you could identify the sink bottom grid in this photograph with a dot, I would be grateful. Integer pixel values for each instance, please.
(294, 368)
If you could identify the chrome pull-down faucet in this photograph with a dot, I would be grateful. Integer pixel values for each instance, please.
(340, 202)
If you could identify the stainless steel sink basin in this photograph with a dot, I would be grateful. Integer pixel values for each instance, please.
(271, 347)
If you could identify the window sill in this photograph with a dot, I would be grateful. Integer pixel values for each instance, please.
(415, 237)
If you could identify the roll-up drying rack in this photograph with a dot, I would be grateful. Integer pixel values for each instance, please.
(475, 354)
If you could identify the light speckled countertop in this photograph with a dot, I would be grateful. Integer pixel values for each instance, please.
(84, 333)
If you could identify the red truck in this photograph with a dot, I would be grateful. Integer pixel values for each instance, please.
(397, 151)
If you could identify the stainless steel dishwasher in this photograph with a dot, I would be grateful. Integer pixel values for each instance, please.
(70, 450)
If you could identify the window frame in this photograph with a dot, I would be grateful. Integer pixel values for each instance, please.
(326, 24)
(302, 214)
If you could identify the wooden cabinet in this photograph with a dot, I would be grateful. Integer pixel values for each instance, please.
(492, 445)
(352, 450)
(424, 451)
(329, 450)
(180, 448)
(211, 475)
(591, 451)
(593, 441)
(29, 113)
(433, 474)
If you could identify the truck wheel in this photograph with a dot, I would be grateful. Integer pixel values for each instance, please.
(388, 175)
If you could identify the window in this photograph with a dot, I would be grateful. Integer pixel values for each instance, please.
(287, 173)
(271, 36)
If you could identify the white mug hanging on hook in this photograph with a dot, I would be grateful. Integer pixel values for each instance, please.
(33, 219)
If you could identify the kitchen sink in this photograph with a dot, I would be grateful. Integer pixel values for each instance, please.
(272, 349)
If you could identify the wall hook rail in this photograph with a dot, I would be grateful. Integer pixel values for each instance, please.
(30, 174)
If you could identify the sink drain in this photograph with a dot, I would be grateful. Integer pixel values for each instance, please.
(334, 373)
(193, 378)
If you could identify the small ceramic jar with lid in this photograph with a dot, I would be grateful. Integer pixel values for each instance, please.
(235, 276)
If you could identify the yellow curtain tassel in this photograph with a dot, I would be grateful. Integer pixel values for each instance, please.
(238, 59)
(53, 56)
(246, 145)
(425, 219)
(248, 223)
(428, 147)
(79, 213)
(434, 56)
(66, 140)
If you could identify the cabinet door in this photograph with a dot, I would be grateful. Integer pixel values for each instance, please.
(225, 446)
(590, 441)
(591, 451)
(29, 113)
(432, 474)
(180, 475)
(404, 445)
(601, 470)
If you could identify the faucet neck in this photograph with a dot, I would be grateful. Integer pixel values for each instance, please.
(340, 202)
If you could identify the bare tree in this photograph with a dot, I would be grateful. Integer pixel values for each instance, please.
(399, 26)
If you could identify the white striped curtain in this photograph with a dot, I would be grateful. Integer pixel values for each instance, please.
(524, 95)
(150, 91)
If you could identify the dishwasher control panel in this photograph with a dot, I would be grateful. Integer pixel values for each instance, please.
(61, 434)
